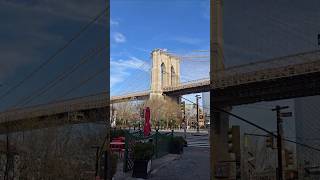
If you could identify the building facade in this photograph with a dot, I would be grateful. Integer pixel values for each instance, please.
(206, 107)
(307, 113)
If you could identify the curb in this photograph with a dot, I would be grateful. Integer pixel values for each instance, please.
(199, 134)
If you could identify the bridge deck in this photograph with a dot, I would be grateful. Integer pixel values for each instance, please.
(72, 105)
(270, 70)
(288, 66)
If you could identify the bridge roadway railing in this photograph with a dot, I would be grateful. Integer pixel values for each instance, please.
(71, 105)
(189, 84)
(76, 104)
(130, 95)
(287, 66)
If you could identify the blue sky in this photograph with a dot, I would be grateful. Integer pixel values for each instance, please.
(31, 31)
(138, 27)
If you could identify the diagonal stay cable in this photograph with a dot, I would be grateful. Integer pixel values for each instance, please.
(82, 83)
(55, 54)
(59, 78)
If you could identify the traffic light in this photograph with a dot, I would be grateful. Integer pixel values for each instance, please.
(141, 112)
(269, 141)
(230, 138)
(183, 108)
(289, 157)
(234, 141)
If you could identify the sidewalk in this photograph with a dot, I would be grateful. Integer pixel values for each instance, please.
(202, 131)
(157, 164)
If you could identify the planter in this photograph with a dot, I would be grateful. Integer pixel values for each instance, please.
(176, 151)
(141, 169)
(176, 145)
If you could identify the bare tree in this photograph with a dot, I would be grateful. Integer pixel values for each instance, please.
(127, 113)
(164, 111)
(58, 153)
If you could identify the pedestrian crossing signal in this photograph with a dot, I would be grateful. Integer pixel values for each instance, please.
(183, 108)
(318, 39)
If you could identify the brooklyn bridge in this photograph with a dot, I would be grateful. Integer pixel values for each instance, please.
(286, 77)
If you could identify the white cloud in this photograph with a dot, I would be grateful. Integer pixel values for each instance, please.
(132, 63)
(120, 69)
(119, 38)
(114, 22)
(188, 40)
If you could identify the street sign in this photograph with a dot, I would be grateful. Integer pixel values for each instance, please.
(286, 114)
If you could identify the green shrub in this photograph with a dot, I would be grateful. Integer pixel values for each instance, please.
(182, 140)
(177, 144)
(143, 151)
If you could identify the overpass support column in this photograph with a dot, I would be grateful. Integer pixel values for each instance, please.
(219, 126)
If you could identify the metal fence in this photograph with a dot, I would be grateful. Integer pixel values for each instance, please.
(161, 143)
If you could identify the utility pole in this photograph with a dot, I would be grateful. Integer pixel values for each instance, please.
(112, 114)
(7, 159)
(279, 140)
(197, 102)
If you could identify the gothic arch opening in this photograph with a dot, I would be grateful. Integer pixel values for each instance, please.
(163, 73)
(173, 76)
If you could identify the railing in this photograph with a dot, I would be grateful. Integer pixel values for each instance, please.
(130, 95)
(161, 143)
(287, 66)
(189, 84)
(71, 105)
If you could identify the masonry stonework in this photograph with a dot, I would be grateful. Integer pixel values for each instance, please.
(165, 72)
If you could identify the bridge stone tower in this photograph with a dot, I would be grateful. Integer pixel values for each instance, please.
(165, 72)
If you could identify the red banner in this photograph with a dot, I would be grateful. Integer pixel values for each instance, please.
(147, 125)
